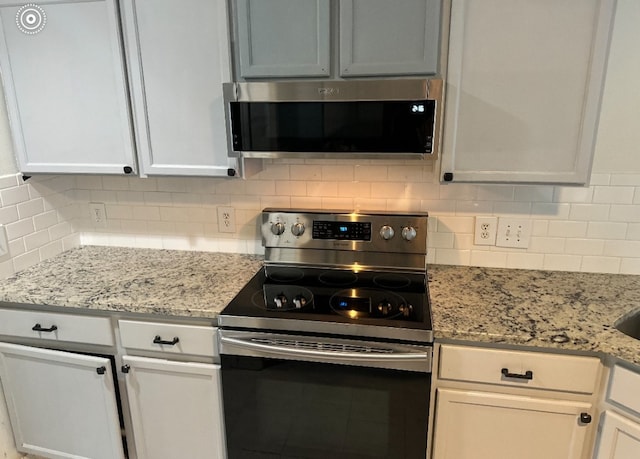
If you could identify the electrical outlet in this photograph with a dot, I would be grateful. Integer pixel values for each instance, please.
(513, 232)
(98, 214)
(485, 231)
(226, 220)
(4, 244)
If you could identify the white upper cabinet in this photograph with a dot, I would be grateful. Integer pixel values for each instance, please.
(379, 37)
(283, 38)
(178, 54)
(72, 108)
(65, 86)
(524, 84)
(349, 38)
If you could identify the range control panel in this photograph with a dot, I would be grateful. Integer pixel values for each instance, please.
(338, 230)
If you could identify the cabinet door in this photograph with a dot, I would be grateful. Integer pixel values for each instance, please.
(178, 52)
(65, 86)
(379, 37)
(524, 86)
(619, 438)
(283, 38)
(176, 408)
(61, 405)
(478, 425)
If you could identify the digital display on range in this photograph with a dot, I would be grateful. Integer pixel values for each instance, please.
(350, 231)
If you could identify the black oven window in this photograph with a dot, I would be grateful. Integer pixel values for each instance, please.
(363, 126)
(286, 409)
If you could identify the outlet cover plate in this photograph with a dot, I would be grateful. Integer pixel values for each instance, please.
(4, 244)
(485, 231)
(513, 232)
(226, 220)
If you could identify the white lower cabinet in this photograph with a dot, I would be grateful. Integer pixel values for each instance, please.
(620, 427)
(492, 403)
(619, 438)
(479, 425)
(61, 404)
(175, 408)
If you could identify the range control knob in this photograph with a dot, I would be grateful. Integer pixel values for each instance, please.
(299, 301)
(387, 232)
(409, 233)
(281, 301)
(297, 229)
(384, 307)
(277, 228)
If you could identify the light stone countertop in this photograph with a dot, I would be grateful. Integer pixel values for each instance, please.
(165, 282)
(548, 309)
(545, 309)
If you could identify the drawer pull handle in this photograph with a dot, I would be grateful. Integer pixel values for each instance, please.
(527, 374)
(38, 328)
(173, 342)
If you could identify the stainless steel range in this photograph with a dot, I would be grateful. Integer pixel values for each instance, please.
(327, 351)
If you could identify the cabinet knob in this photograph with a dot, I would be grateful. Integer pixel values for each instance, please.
(101, 370)
(125, 368)
(585, 418)
(127, 169)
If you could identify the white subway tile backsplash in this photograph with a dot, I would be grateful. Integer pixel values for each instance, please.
(36, 240)
(115, 183)
(144, 184)
(451, 257)
(630, 266)
(607, 230)
(625, 179)
(495, 192)
(624, 213)
(589, 212)
(322, 189)
(533, 193)
(547, 244)
(306, 172)
(441, 240)
(19, 229)
(30, 208)
(474, 208)
(337, 173)
(26, 260)
(622, 249)
(556, 262)
(14, 195)
(613, 194)
(60, 230)
(8, 215)
(573, 194)
(584, 246)
(550, 210)
(600, 264)
(521, 260)
(512, 209)
(488, 259)
(8, 181)
(569, 229)
(600, 179)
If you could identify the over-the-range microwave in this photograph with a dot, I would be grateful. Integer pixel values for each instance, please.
(393, 118)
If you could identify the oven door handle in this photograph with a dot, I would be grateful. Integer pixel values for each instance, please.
(418, 360)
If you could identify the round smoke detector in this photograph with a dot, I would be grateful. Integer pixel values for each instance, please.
(31, 19)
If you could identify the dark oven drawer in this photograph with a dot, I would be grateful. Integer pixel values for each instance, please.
(299, 409)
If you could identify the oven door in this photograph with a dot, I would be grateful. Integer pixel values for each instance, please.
(309, 397)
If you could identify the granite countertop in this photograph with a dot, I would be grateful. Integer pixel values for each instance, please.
(548, 309)
(166, 282)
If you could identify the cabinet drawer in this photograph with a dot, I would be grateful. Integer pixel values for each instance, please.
(519, 369)
(169, 338)
(56, 327)
(623, 388)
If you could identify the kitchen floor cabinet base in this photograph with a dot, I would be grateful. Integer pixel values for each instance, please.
(51, 393)
(482, 425)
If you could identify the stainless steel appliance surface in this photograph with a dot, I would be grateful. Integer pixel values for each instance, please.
(327, 351)
(388, 118)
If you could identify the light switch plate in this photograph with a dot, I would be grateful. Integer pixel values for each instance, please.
(4, 244)
(513, 232)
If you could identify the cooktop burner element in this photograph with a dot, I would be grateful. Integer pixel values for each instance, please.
(356, 274)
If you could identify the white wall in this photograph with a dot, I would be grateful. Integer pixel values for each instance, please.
(579, 229)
